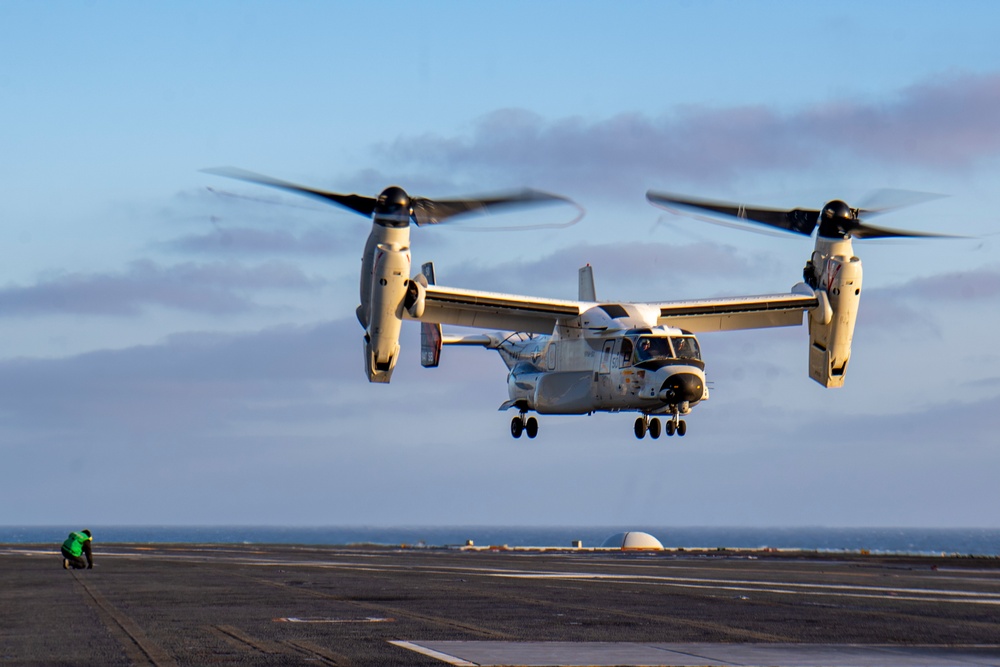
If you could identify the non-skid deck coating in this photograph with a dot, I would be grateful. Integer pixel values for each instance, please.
(285, 605)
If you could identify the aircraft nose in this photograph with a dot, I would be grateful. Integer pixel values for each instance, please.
(681, 387)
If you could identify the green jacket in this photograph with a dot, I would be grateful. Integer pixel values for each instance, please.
(74, 543)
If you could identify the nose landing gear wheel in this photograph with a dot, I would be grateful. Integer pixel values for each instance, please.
(531, 427)
(640, 428)
(516, 426)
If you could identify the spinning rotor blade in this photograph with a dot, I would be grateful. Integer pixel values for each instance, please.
(866, 231)
(890, 199)
(835, 220)
(357, 203)
(395, 201)
(798, 221)
(434, 211)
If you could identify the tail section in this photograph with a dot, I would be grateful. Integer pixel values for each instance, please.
(835, 274)
(587, 291)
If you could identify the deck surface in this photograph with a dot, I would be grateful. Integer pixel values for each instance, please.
(287, 605)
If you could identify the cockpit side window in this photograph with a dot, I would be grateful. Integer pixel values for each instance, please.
(626, 352)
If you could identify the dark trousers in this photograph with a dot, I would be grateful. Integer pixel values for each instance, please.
(75, 562)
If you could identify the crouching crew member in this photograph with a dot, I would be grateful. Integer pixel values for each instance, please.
(76, 546)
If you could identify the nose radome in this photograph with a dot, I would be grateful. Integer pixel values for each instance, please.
(681, 387)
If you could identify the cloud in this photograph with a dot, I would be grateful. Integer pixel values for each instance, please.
(255, 221)
(249, 241)
(196, 379)
(981, 284)
(942, 124)
(901, 310)
(217, 287)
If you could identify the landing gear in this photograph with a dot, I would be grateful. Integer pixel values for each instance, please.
(520, 424)
(646, 424)
(676, 425)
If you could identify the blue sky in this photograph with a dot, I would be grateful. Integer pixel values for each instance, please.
(178, 348)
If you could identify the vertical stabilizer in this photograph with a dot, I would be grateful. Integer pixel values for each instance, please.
(430, 334)
(587, 291)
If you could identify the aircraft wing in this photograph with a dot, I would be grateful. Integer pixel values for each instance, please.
(494, 310)
(738, 312)
(511, 312)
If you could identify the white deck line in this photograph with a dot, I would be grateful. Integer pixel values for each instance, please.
(431, 653)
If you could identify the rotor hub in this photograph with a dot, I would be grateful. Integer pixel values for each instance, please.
(394, 205)
(837, 219)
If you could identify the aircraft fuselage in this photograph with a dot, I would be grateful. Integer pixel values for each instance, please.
(579, 370)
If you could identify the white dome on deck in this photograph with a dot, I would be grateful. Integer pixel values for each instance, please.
(633, 541)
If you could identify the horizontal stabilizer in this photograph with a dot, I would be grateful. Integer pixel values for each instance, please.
(483, 340)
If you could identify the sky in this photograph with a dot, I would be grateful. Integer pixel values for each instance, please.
(178, 348)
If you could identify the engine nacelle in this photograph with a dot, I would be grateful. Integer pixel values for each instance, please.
(390, 280)
(836, 275)
(416, 297)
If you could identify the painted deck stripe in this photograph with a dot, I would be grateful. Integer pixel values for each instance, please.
(431, 653)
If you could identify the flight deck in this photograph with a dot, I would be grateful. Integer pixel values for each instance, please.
(186, 604)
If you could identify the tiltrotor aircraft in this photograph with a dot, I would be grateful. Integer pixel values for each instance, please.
(584, 356)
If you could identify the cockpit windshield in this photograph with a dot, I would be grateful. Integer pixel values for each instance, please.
(653, 347)
(666, 347)
(686, 347)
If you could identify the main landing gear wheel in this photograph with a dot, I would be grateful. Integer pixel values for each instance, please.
(682, 427)
(645, 425)
(520, 424)
(671, 427)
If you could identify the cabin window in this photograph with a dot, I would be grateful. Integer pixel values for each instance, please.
(606, 357)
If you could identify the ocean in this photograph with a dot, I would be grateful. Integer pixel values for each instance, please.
(963, 541)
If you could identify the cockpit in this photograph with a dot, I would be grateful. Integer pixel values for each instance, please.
(649, 347)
